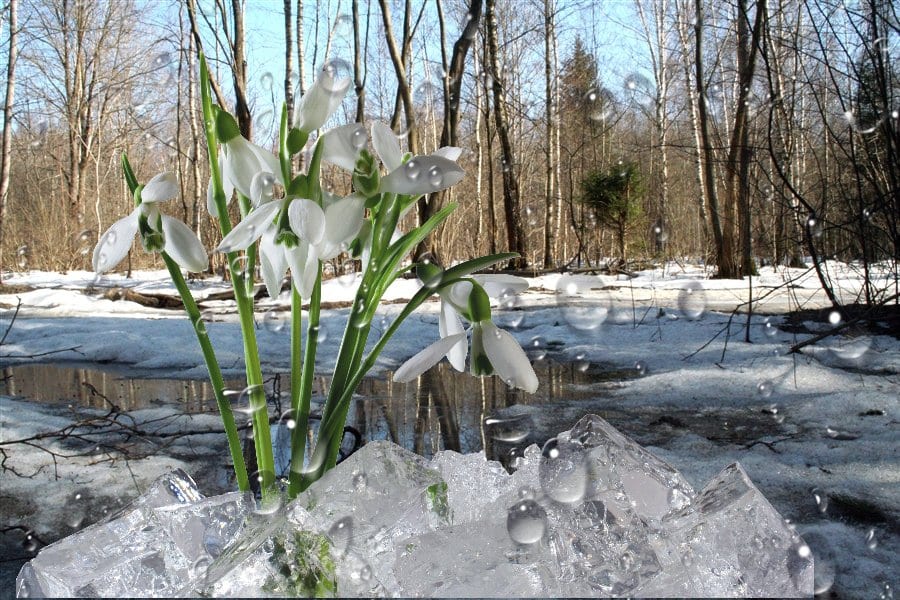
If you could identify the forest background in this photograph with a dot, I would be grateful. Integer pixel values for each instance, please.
(734, 132)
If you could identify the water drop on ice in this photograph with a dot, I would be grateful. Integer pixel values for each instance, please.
(640, 368)
(871, 542)
(273, 322)
(581, 364)
(563, 471)
(692, 300)
(510, 430)
(582, 306)
(769, 328)
(821, 501)
(526, 522)
(341, 535)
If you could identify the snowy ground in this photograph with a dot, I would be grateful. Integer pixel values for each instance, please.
(817, 431)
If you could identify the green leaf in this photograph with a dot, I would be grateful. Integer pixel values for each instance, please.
(477, 264)
(226, 127)
(296, 139)
(437, 501)
(479, 304)
(298, 187)
(130, 179)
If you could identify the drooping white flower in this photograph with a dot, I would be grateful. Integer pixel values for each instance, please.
(319, 102)
(159, 231)
(493, 350)
(243, 161)
(420, 175)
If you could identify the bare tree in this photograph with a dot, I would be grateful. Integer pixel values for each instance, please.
(6, 147)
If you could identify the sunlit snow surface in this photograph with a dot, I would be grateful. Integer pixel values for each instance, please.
(829, 464)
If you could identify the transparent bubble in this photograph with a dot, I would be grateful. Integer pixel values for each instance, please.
(435, 177)
(871, 542)
(887, 593)
(819, 549)
(850, 346)
(661, 234)
(526, 522)
(510, 430)
(765, 388)
(343, 25)
(273, 322)
(563, 470)
(359, 138)
(536, 349)
(426, 95)
(412, 170)
(509, 314)
(837, 434)
(266, 81)
(814, 226)
(769, 328)
(581, 362)
(268, 505)
(338, 69)
(601, 104)
(582, 308)
(861, 124)
(163, 59)
(30, 542)
(321, 332)
(199, 323)
(692, 300)
(638, 88)
(250, 400)
(347, 276)
(341, 535)
(834, 317)
(640, 368)
(821, 500)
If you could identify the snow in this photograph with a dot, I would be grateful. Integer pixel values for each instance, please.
(825, 419)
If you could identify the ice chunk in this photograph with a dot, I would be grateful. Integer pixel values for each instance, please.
(625, 476)
(731, 542)
(147, 549)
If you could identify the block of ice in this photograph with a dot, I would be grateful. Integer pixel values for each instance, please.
(149, 548)
(590, 514)
(731, 542)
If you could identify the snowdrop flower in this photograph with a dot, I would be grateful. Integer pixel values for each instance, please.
(419, 175)
(320, 101)
(493, 350)
(312, 234)
(158, 232)
(240, 161)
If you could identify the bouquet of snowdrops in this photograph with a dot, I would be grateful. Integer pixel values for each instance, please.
(289, 223)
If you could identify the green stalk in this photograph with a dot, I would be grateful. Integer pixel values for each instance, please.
(300, 400)
(261, 435)
(215, 374)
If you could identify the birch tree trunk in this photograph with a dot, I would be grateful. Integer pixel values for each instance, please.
(6, 147)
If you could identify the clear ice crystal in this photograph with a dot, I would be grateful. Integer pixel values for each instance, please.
(386, 522)
(148, 549)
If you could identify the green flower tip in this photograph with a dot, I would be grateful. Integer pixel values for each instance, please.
(226, 127)
(479, 304)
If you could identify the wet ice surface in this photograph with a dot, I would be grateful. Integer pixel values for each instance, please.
(389, 522)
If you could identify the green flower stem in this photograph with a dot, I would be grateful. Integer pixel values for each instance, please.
(300, 399)
(261, 434)
(215, 374)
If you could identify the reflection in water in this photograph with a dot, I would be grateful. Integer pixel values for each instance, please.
(441, 410)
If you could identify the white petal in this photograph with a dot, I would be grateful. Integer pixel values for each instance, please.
(227, 187)
(422, 175)
(427, 358)
(250, 228)
(509, 360)
(344, 219)
(499, 284)
(115, 242)
(449, 324)
(449, 152)
(161, 188)
(458, 295)
(183, 246)
(386, 146)
(303, 262)
(320, 101)
(307, 220)
(261, 188)
(343, 145)
(241, 164)
(267, 161)
(272, 262)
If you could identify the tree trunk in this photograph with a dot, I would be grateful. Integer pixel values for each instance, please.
(514, 234)
(6, 147)
(288, 62)
(239, 72)
(549, 184)
(359, 70)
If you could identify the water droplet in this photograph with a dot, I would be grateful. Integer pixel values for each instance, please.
(692, 300)
(321, 333)
(526, 522)
(30, 544)
(343, 25)
(600, 104)
(359, 138)
(360, 480)
(199, 324)
(563, 470)
(425, 95)
(266, 81)
(765, 388)
(365, 573)
(435, 177)
(640, 368)
(821, 500)
(769, 328)
(411, 169)
(814, 226)
(273, 322)
(582, 306)
(268, 505)
(508, 314)
(163, 59)
(338, 69)
(871, 542)
(510, 430)
(251, 399)
(662, 235)
(834, 317)
(581, 364)
(536, 349)
(341, 535)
